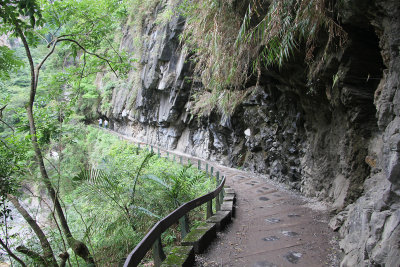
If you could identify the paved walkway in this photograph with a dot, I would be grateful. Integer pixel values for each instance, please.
(273, 226)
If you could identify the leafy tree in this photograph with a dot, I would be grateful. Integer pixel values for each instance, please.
(81, 26)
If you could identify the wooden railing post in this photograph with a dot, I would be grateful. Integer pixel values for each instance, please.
(158, 152)
(151, 150)
(199, 165)
(158, 253)
(168, 155)
(207, 170)
(217, 204)
(184, 225)
(221, 194)
(153, 237)
(209, 209)
(211, 171)
(180, 159)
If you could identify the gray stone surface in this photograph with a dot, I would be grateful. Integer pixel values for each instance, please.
(228, 205)
(200, 237)
(229, 197)
(221, 219)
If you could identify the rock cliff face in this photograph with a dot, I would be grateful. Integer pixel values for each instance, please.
(335, 136)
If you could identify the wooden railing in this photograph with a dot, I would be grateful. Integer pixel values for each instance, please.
(153, 237)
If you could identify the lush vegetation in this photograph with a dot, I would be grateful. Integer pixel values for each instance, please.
(70, 194)
(112, 193)
(233, 42)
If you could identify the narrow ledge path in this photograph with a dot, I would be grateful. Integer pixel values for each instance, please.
(273, 226)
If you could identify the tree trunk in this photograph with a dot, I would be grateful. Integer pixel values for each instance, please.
(48, 255)
(78, 247)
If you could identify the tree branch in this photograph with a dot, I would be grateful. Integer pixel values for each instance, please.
(4, 143)
(64, 257)
(48, 252)
(10, 253)
(90, 53)
(32, 254)
(39, 66)
(31, 64)
(79, 248)
(52, 214)
(12, 129)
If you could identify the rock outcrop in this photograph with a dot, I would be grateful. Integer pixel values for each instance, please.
(335, 136)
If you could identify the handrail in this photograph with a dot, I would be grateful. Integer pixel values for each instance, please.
(138, 253)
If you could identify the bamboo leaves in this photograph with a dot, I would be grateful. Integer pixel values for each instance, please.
(235, 41)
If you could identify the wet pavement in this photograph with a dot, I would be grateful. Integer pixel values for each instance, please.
(273, 226)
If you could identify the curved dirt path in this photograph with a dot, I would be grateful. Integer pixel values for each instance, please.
(273, 226)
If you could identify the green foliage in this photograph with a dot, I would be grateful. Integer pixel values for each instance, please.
(8, 62)
(12, 156)
(232, 41)
(179, 187)
(26, 14)
(85, 38)
(139, 10)
(165, 16)
(107, 181)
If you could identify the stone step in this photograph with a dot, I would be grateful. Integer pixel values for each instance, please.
(228, 206)
(229, 190)
(230, 197)
(200, 237)
(180, 256)
(221, 219)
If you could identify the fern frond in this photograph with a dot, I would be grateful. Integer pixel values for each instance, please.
(157, 180)
(145, 211)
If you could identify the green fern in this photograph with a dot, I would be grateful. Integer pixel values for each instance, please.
(179, 187)
(106, 185)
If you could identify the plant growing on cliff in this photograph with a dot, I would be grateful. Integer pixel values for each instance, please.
(233, 41)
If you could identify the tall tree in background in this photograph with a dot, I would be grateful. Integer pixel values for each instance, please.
(59, 22)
